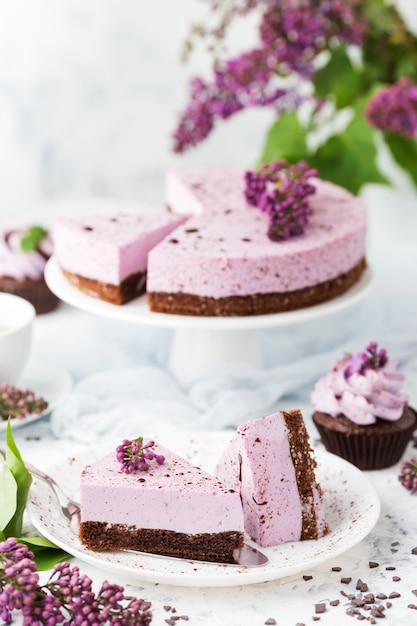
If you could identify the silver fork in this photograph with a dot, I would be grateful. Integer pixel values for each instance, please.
(69, 508)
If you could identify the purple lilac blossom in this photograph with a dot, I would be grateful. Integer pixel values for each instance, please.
(67, 597)
(281, 191)
(291, 35)
(408, 475)
(135, 455)
(393, 109)
(372, 358)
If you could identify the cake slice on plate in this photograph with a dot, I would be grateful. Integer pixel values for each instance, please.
(175, 509)
(269, 462)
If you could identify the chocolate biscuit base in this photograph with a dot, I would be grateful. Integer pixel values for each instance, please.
(304, 467)
(372, 447)
(255, 304)
(128, 289)
(217, 547)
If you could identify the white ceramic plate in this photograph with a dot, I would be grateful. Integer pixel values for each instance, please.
(45, 379)
(351, 503)
(138, 310)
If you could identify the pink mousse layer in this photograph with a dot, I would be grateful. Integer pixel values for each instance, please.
(109, 249)
(174, 496)
(258, 464)
(224, 250)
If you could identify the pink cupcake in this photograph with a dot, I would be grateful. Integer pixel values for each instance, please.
(24, 252)
(361, 413)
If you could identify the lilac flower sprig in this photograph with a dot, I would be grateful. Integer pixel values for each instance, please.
(310, 61)
(282, 191)
(408, 475)
(66, 598)
(372, 359)
(393, 109)
(17, 403)
(135, 455)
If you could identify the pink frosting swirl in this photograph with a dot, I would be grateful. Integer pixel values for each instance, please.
(20, 265)
(362, 396)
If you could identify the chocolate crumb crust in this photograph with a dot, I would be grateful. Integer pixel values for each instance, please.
(304, 466)
(254, 304)
(219, 547)
(133, 286)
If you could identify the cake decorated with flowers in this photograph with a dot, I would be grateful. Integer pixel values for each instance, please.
(361, 412)
(145, 497)
(106, 256)
(270, 463)
(24, 251)
(233, 243)
(256, 243)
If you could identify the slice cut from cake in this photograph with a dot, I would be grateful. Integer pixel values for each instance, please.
(269, 462)
(106, 256)
(174, 509)
(221, 262)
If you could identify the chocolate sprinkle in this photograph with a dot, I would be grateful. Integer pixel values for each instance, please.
(334, 603)
(373, 564)
(414, 550)
(394, 594)
(396, 578)
(345, 581)
(271, 621)
(320, 608)
(307, 577)
(336, 569)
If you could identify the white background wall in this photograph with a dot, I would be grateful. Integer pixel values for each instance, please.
(89, 93)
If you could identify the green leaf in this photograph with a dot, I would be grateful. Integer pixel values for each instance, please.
(338, 79)
(8, 494)
(286, 139)
(349, 158)
(23, 480)
(32, 238)
(404, 152)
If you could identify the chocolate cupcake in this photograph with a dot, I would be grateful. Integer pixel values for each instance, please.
(23, 255)
(360, 412)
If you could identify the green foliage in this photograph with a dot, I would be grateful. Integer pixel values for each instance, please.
(15, 482)
(404, 153)
(286, 139)
(349, 158)
(23, 481)
(32, 238)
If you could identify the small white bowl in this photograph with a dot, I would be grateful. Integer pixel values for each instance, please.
(16, 322)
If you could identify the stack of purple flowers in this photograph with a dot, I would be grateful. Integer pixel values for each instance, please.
(282, 191)
(393, 109)
(67, 597)
(292, 35)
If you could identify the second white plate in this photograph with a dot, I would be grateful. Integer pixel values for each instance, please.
(350, 512)
(47, 380)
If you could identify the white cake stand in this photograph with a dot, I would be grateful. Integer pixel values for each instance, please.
(202, 341)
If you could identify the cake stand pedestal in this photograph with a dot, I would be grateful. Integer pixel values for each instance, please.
(200, 342)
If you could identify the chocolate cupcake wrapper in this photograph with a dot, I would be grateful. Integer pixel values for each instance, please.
(38, 294)
(367, 452)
